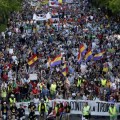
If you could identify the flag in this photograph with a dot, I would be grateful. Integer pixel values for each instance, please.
(79, 57)
(56, 61)
(65, 70)
(88, 55)
(82, 49)
(98, 56)
(32, 60)
(55, 3)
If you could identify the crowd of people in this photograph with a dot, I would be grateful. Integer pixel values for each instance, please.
(82, 24)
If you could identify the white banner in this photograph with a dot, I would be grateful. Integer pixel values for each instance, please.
(42, 17)
(98, 108)
(33, 77)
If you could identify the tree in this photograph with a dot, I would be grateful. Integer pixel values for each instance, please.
(7, 6)
(113, 5)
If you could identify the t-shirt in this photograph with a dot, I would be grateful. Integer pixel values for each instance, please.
(21, 112)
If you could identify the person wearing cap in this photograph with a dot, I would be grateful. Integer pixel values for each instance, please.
(4, 111)
(113, 112)
(21, 112)
(42, 109)
(86, 112)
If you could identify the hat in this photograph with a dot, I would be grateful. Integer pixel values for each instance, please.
(80, 76)
(4, 103)
(42, 99)
(12, 95)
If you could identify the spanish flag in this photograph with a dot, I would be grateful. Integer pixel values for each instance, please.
(56, 61)
(82, 49)
(32, 60)
(65, 70)
(98, 56)
(88, 55)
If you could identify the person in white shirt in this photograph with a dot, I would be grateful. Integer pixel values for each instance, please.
(4, 85)
(36, 100)
(113, 86)
(10, 73)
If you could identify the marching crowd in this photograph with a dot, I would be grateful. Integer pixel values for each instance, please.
(24, 38)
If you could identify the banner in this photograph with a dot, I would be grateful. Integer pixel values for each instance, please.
(41, 17)
(98, 108)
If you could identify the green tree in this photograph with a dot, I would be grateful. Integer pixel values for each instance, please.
(113, 5)
(7, 6)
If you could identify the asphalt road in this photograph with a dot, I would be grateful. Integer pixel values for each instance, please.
(78, 117)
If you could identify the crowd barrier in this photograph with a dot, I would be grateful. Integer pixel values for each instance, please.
(98, 108)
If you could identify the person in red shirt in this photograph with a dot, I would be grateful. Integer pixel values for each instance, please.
(35, 91)
(61, 109)
(5, 76)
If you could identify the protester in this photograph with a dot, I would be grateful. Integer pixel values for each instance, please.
(21, 112)
(86, 112)
(113, 112)
(42, 109)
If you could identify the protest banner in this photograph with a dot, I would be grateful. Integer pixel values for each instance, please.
(98, 108)
(42, 17)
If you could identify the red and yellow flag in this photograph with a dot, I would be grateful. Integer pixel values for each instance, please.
(32, 60)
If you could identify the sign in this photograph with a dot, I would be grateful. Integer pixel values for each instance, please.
(32, 76)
